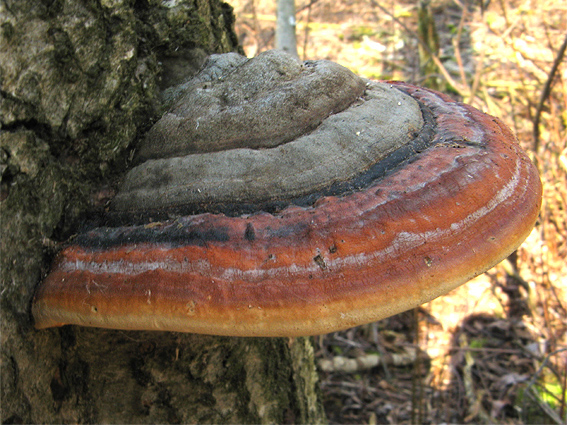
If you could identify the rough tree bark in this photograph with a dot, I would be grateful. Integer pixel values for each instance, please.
(78, 84)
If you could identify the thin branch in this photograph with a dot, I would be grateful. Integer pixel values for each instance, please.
(530, 391)
(307, 6)
(368, 361)
(456, 41)
(307, 22)
(546, 91)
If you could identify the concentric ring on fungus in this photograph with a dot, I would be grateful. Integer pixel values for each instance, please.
(390, 196)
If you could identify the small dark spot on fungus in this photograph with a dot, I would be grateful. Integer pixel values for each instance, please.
(245, 187)
(320, 261)
(249, 234)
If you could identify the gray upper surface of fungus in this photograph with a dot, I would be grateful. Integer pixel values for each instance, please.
(263, 102)
(265, 129)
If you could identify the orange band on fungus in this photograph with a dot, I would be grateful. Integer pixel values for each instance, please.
(448, 214)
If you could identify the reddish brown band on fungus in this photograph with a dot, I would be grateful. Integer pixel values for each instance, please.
(460, 207)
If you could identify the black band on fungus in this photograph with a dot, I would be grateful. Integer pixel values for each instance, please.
(407, 153)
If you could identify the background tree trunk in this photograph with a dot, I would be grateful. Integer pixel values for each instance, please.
(286, 39)
(79, 83)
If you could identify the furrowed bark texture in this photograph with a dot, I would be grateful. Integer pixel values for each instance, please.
(79, 83)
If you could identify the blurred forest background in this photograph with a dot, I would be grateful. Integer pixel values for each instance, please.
(495, 349)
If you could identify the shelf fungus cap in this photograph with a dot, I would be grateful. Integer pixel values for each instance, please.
(282, 199)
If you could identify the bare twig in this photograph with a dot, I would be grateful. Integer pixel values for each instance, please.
(307, 6)
(456, 41)
(546, 91)
(477, 74)
(367, 361)
(256, 26)
(474, 398)
(534, 395)
(543, 406)
(307, 22)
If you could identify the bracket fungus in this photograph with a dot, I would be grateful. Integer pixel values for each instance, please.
(286, 199)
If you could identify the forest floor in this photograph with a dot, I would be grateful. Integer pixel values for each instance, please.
(495, 349)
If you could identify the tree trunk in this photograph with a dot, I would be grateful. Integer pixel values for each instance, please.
(79, 84)
(286, 39)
